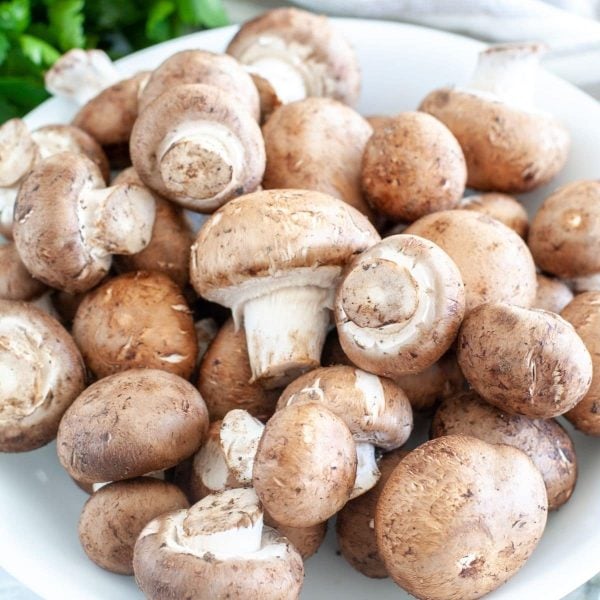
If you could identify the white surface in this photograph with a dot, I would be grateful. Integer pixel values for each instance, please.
(40, 506)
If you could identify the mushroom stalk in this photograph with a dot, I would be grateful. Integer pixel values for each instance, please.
(367, 471)
(8, 197)
(586, 283)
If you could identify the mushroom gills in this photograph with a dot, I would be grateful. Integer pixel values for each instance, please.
(367, 471)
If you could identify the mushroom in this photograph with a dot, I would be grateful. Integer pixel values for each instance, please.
(299, 54)
(169, 248)
(355, 523)
(546, 443)
(114, 516)
(305, 466)
(198, 146)
(67, 224)
(307, 540)
(524, 361)
(552, 294)
(458, 517)
(565, 233)
(413, 166)
(16, 283)
(510, 145)
(219, 548)
(583, 312)
(378, 122)
(136, 320)
(501, 207)
(130, 424)
(274, 257)
(399, 305)
(494, 262)
(317, 144)
(269, 100)
(41, 374)
(206, 332)
(200, 66)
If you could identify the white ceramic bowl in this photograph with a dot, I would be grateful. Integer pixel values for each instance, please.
(39, 504)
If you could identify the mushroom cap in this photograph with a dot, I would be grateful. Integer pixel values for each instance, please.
(565, 232)
(494, 262)
(413, 166)
(269, 100)
(552, 294)
(136, 320)
(305, 465)
(16, 283)
(18, 152)
(545, 441)
(524, 361)
(507, 149)
(307, 540)
(317, 144)
(327, 63)
(583, 312)
(270, 234)
(41, 374)
(199, 66)
(224, 378)
(374, 408)
(378, 121)
(114, 516)
(129, 424)
(399, 306)
(189, 104)
(503, 208)
(458, 517)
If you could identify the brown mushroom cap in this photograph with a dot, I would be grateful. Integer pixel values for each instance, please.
(136, 320)
(307, 540)
(494, 262)
(317, 144)
(583, 312)
(501, 207)
(269, 100)
(524, 361)
(413, 166)
(305, 48)
(41, 374)
(199, 66)
(16, 283)
(552, 294)
(114, 516)
(565, 232)
(305, 465)
(197, 146)
(129, 424)
(458, 517)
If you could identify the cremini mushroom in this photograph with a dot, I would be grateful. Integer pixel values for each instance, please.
(524, 361)
(130, 424)
(509, 144)
(307, 540)
(198, 146)
(113, 517)
(413, 166)
(458, 517)
(317, 144)
(546, 443)
(501, 207)
(494, 262)
(41, 374)
(274, 257)
(16, 283)
(299, 55)
(136, 320)
(269, 100)
(68, 225)
(399, 306)
(552, 294)
(219, 548)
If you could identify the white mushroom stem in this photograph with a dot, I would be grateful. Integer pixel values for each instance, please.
(586, 283)
(367, 471)
(8, 197)
(508, 71)
(210, 466)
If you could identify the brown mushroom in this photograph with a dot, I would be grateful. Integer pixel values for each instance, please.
(307, 540)
(16, 283)
(501, 207)
(552, 294)
(269, 100)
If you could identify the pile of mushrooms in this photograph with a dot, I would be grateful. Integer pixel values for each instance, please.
(223, 387)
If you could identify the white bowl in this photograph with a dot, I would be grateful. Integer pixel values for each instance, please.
(39, 504)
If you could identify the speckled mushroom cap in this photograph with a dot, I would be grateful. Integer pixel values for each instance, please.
(317, 144)
(222, 543)
(584, 314)
(198, 146)
(68, 225)
(374, 408)
(503, 208)
(41, 374)
(552, 294)
(130, 424)
(300, 54)
(524, 361)
(399, 306)
(458, 517)
(494, 262)
(546, 443)
(136, 320)
(16, 283)
(201, 66)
